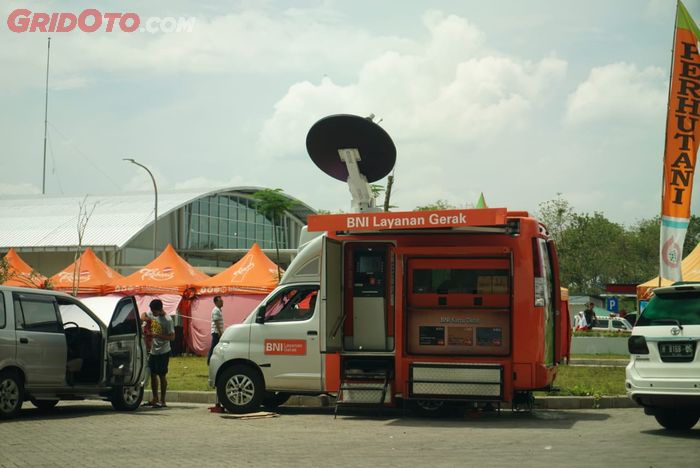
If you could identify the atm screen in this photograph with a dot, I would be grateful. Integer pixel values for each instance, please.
(369, 263)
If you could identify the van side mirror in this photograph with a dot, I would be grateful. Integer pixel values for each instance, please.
(260, 316)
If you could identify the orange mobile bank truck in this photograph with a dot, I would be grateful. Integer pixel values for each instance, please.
(428, 308)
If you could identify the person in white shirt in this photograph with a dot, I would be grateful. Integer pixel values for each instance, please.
(217, 324)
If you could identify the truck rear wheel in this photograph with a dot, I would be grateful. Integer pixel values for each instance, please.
(274, 400)
(677, 419)
(431, 408)
(240, 389)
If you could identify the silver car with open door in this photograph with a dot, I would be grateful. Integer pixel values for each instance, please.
(54, 346)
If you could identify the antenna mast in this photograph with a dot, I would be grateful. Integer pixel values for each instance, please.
(46, 116)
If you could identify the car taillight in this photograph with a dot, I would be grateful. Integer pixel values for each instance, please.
(637, 345)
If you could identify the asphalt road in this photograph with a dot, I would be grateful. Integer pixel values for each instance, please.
(92, 434)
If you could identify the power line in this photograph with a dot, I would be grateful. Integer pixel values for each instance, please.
(53, 160)
(85, 157)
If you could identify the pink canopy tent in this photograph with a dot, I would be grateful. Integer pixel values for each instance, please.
(241, 286)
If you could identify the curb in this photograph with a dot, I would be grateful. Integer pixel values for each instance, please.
(599, 362)
(325, 401)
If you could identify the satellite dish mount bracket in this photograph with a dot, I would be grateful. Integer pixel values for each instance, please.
(360, 190)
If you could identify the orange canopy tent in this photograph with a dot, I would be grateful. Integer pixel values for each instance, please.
(90, 274)
(690, 269)
(168, 278)
(169, 273)
(254, 273)
(241, 286)
(21, 274)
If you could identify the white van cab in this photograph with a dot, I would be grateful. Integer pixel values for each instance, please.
(54, 346)
(663, 374)
(275, 351)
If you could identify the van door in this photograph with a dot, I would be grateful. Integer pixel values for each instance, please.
(562, 319)
(284, 339)
(126, 352)
(41, 343)
(332, 314)
(551, 292)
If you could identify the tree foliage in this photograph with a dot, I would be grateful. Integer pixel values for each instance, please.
(437, 205)
(5, 272)
(272, 203)
(557, 215)
(594, 251)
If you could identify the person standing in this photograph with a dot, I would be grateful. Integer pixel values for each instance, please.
(162, 333)
(217, 325)
(589, 314)
(580, 322)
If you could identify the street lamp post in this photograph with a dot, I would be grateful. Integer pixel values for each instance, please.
(155, 210)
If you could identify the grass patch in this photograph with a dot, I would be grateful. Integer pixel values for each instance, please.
(589, 381)
(190, 373)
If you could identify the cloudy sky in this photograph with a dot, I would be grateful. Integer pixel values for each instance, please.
(518, 100)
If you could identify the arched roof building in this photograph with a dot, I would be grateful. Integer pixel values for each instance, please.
(211, 229)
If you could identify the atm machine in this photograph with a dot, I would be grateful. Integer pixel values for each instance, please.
(369, 291)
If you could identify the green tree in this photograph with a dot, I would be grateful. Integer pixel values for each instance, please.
(644, 249)
(644, 253)
(590, 253)
(437, 205)
(5, 272)
(272, 203)
(692, 237)
(557, 215)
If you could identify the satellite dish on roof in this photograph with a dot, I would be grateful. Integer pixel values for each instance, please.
(352, 149)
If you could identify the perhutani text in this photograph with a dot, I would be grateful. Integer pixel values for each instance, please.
(686, 110)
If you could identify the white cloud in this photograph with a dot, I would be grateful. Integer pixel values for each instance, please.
(474, 101)
(621, 92)
(443, 104)
(19, 189)
(257, 40)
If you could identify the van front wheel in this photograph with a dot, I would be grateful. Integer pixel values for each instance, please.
(240, 389)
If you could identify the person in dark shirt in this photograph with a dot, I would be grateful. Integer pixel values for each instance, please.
(589, 314)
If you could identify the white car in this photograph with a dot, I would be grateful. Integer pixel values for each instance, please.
(613, 324)
(663, 374)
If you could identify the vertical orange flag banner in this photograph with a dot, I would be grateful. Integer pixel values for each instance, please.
(682, 137)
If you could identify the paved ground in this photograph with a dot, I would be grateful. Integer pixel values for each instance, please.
(92, 434)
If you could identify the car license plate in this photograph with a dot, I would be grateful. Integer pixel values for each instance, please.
(683, 349)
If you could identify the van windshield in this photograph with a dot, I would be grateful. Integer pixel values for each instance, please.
(663, 309)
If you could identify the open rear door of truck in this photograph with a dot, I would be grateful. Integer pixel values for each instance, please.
(562, 325)
(332, 315)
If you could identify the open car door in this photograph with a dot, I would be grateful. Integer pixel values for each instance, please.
(126, 350)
